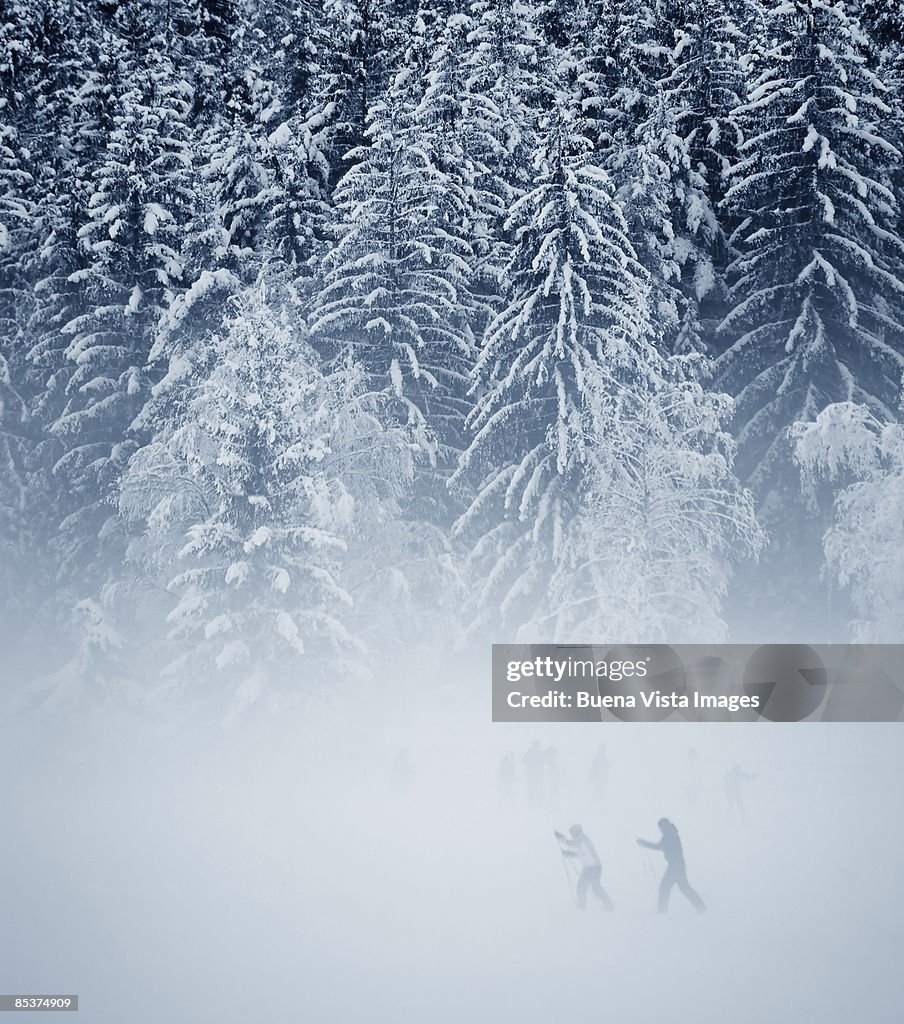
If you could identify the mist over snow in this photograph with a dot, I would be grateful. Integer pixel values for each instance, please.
(290, 871)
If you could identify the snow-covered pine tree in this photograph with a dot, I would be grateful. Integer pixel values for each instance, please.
(264, 166)
(817, 286)
(702, 92)
(509, 75)
(236, 509)
(654, 82)
(863, 457)
(363, 43)
(450, 132)
(577, 300)
(620, 57)
(297, 170)
(131, 243)
(394, 282)
(16, 542)
(208, 31)
(234, 164)
(17, 239)
(663, 519)
(883, 21)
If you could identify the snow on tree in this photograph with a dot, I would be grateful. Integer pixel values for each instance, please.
(19, 60)
(391, 171)
(395, 280)
(363, 44)
(663, 519)
(131, 242)
(234, 506)
(450, 132)
(508, 80)
(577, 299)
(15, 542)
(863, 456)
(817, 286)
(655, 86)
(265, 163)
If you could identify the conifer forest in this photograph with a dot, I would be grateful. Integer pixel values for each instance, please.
(352, 330)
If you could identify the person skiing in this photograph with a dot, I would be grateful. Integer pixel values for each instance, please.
(734, 785)
(580, 850)
(675, 872)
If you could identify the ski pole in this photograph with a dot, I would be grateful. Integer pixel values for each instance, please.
(648, 870)
(565, 865)
(567, 878)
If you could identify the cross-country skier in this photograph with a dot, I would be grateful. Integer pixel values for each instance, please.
(734, 785)
(582, 852)
(675, 872)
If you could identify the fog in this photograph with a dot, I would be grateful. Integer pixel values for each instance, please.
(167, 869)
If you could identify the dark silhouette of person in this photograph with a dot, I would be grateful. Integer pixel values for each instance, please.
(734, 785)
(675, 871)
(506, 783)
(599, 776)
(581, 851)
(534, 764)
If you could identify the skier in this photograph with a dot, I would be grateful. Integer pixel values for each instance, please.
(675, 872)
(580, 849)
(734, 782)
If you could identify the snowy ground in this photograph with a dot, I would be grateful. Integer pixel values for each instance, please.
(273, 874)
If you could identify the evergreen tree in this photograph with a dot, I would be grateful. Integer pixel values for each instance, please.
(848, 446)
(663, 519)
(235, 509)
(577, 301)
(363, 44)
(816, 287)
(395, 284)
(131, 244)
(17, 43)
(508, 85)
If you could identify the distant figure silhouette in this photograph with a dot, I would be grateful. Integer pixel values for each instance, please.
(599, 776)
(675, 872)
(583, 854)
(553, 776)
(534, 763)
(505, 783)
(734, 795)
